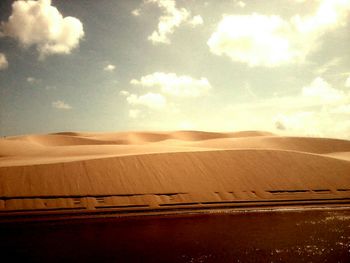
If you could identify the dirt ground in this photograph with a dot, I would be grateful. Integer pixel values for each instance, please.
(289, 236)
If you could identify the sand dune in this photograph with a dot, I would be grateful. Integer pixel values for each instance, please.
(340, 155)
(75, 138)
(65, 147)
(183, 172)
(123, 170)
(310, 145)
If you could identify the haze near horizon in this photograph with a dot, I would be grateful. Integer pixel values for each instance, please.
(277, 66)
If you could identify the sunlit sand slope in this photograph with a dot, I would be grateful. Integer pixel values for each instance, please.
(167, 170)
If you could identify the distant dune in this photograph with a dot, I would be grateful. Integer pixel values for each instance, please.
(160, 171)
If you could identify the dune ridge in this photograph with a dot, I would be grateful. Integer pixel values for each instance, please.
(80, 138)
(68, 146)
(163, 170)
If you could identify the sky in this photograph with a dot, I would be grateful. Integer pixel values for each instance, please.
(117, 65)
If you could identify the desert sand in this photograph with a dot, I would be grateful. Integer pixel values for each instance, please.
(156, 171)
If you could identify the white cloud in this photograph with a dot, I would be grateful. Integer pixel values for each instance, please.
(33, 80)
(124, 93)
(61, 105)
(322, 91)
(318, 109)
(295, 120)
(327, 123)
(136, 12)
(151, 100)
(241, 4)
(109, 68)
(37, 23)
(3, 62)
(342, 109)
(196, 20)
(261, 40)
(347, 82)
(251, 39)
(170, 83)
(307, 112)
(330, 14)
(134, 113)
(301, 122)
(172, 18)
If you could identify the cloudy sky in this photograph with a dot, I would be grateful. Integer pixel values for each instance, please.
(227, 65)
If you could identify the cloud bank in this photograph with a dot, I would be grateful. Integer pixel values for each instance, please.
(318, 109)
(151, 100)
(347, 82)
(322, 92)
(171, 18)
(61, 105)
(39, 24)
(171, 84)
(269, 40)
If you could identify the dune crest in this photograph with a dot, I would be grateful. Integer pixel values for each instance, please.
(73, 146)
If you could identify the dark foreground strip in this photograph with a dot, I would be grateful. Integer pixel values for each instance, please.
(121, 206)
(204, 207)
(176, 204)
